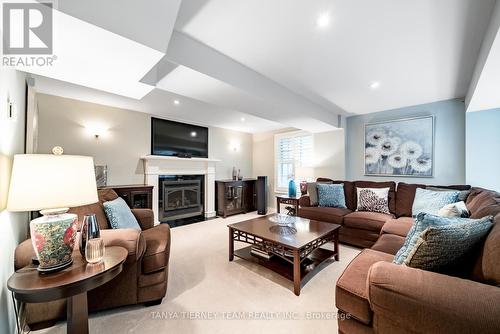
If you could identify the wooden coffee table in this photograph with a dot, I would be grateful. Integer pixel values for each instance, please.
(296, 256)
(28, 285)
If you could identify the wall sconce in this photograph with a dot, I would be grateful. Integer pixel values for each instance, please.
(234, 146)
(96, 130)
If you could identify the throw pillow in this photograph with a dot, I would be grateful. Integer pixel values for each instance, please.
(444, 248)
(429, 201)
(454, 210)
(331, 195)
(462, 194)
(373, 200)
(119, 214)
(312, 191)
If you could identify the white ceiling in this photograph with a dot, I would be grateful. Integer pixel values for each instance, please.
(419, 51)
(267, 61)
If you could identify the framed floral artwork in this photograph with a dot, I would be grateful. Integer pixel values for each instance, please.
(403, 147)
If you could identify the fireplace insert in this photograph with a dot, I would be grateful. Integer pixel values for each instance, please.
(180, 196)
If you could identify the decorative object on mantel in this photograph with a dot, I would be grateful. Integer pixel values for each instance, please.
(240, 177)
(101, 175)
(234, 173)
(403, 147)
(52, 183)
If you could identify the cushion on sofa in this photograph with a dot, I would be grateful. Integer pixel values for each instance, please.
(157, 248)
(331, 195)
(372, 221)
(373, 184)
(119, 214)
(95, 208)
(357, 237)
(351, 290)
(389, 243)
(446, 247)
(325, 214)
(405, 195)
(429, 201)
(399, 226)
(349, 191)
(312, 191)
(373, 200)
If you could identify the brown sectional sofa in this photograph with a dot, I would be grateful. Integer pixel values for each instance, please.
(145, 273)
(374, 295)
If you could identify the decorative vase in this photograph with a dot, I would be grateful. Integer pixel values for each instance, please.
(53, 237)
(90, 234)
(292, 189)
(234, 173)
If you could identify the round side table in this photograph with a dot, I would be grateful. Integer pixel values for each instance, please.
(72, 283)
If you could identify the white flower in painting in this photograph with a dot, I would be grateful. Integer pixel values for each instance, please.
(375, 137)
(388, 146)
(411, 150)
(421, 165)
(372, 154)
(397, 161)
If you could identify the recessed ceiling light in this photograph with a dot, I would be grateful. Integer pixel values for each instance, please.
(323, 20)
(375, 85)
(242, 119)
(193, 133)
(176, 102)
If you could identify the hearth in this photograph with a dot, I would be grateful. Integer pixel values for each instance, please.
(180, 197)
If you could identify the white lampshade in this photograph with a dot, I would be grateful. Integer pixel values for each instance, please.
(46, 181)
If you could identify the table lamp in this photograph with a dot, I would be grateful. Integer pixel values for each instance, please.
(52, 184)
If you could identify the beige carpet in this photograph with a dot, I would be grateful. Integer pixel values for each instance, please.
(208, 294)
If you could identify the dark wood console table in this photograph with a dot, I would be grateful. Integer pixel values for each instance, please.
(235, 196)
(72, 283)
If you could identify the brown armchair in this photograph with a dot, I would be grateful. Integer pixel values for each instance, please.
(145, 273)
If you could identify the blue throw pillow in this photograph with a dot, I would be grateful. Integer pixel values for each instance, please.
(430, 201)
(447, 248)
(331, 195)
(119, 214)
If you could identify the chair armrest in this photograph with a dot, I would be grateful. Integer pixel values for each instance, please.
(304, 200)
(145, 217)
(419, 301)
(128, 238)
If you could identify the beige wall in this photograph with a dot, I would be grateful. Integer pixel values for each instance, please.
(13, 225)
(65, 122)
(329, 156)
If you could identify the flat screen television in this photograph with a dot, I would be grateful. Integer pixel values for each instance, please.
(171, 138)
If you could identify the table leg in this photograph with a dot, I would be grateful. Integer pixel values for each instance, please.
(336, 245)
(78, 316)
(297, 208)
(277, 205)
(296, 272)
(231, 244)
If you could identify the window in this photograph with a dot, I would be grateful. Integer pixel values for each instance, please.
(292, 151)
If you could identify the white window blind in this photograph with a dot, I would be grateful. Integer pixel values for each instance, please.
(292, 151)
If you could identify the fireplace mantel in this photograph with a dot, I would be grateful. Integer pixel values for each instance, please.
(155, 165)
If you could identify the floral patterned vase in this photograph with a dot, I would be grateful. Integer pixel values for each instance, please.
(53, 238)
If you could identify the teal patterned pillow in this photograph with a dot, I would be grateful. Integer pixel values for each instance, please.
(119, 214)
(443, 247)
(430, 201)
(331, 195)
(422, 222)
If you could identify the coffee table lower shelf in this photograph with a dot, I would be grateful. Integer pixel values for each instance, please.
(308, 266)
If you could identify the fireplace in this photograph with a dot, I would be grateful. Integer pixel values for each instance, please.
(180, 197)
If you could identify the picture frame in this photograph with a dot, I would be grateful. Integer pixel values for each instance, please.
(401, 147)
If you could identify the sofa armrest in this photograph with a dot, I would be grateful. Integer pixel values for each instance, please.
(130, 239)
(23, 254)
(305, 200)
(145, 217)
(419, 301)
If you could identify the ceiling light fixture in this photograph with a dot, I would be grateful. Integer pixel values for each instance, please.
(176, 102)
(242, 119)
(375, 85)
(323, 20)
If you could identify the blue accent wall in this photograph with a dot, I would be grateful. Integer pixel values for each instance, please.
(483, 149)
(449, 142)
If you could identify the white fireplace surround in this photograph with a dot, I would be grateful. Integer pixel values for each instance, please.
(155, 166)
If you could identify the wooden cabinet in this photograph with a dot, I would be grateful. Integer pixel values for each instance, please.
(235, 196)
(137, 196)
